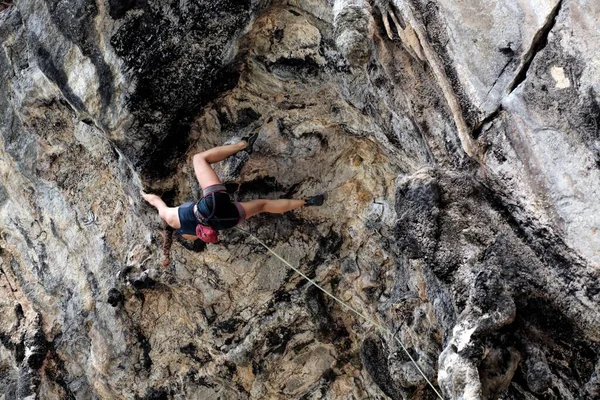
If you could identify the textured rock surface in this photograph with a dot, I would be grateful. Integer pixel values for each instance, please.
(460, 160)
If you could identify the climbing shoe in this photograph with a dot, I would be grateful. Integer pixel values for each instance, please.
(250, 139)
(315, 200)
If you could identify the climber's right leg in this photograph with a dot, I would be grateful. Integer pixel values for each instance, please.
(204, 173)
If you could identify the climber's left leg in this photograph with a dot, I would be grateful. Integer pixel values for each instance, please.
(280, 206)
(204, 173)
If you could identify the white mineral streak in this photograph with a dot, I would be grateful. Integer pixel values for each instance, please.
(562, 82)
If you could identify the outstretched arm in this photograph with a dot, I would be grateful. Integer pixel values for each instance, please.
(168, 214)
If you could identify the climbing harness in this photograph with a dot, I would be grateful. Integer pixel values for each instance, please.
(376, 324)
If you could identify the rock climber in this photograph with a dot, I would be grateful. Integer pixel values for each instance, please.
(216, 211)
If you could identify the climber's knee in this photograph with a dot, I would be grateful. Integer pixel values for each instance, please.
(199, 158)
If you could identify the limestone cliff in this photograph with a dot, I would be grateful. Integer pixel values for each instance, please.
(458, 142)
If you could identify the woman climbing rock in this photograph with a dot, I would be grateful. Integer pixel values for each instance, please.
(216, 211)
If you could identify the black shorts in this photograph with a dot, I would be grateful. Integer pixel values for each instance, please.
(225, 213)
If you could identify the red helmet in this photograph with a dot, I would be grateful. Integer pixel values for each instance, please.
(206, 233)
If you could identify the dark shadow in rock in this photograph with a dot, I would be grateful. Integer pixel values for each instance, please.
(118, 8)
(293, 68)
(55, 371)
(261, 187)
(75, 20)
(115, 297)
(143, 281)
(319, 312)
(245, 117)
(5, 5)
(321, 387)
(328, 247)
(3, 195)
(281, 295)
(418, 205)
(28, 383)
(157, 394)
(50, 68)
(572, 354)
(197, 246)
(227, 327)
(37, 349)
(328, 330)
(178, 71)
(277, 340)
(374, 360)
(146, 349)
(200, 356)
(19, 351)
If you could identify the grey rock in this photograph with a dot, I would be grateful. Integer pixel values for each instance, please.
(458, 150)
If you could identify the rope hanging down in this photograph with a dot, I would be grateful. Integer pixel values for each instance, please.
(344, 304)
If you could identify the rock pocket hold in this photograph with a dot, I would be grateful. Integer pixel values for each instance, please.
(115, 297)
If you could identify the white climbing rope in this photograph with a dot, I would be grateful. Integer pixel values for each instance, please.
(344, 304)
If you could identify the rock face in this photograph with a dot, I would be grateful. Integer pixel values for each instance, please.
(460, 158)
